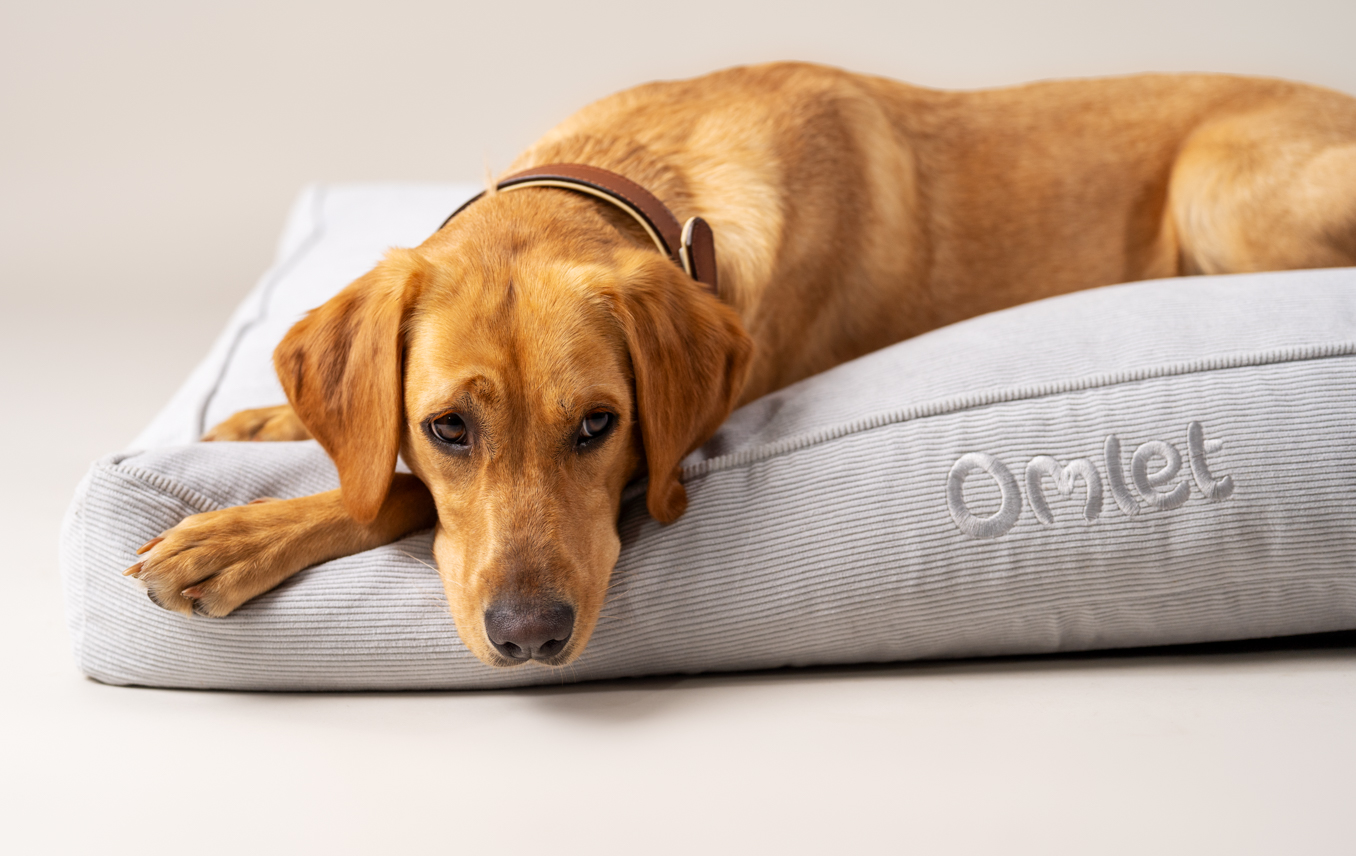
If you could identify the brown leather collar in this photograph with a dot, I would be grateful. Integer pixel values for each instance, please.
(691, 246)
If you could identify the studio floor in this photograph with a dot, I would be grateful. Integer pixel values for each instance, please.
(1242, 748)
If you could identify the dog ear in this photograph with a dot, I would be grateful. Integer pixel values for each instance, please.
(690, 356)
(341, 367)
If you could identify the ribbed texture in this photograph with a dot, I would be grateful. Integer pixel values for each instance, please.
(819, 529)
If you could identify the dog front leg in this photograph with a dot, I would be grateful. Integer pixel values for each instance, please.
(213, 562)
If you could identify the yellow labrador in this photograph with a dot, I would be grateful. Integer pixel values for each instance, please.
(537, 353)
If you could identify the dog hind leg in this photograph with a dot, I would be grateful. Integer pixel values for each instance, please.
(1273, 189)
(1266, 191)
(279, 423)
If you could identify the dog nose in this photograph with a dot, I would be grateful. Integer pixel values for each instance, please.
(529, 629)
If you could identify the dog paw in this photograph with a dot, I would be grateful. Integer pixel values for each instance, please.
(211, 563)
(270, 424)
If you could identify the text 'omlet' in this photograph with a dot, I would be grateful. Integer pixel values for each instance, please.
(1150, 481)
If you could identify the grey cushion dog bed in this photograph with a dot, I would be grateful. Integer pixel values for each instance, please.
(1161, 462)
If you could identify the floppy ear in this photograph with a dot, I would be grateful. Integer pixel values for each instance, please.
(341, 367)
(690, 356)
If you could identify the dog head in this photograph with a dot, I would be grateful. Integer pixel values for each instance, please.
(527, 362)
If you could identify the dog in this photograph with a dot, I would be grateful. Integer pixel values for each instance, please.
(536, 354)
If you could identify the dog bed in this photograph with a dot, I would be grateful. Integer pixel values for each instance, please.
(1155, 463)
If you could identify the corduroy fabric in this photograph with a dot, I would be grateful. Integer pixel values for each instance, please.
(828, 521)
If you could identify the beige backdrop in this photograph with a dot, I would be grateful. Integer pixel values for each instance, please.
(153, 146)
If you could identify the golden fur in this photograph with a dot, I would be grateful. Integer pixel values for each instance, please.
(850, 212)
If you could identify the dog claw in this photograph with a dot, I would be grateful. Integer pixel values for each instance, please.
(192, 591)
(149, 544)
(134, 570)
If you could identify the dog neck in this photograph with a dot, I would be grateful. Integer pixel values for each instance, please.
(690, 245)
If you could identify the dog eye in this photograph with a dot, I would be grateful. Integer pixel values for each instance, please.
(450, 429)
(594, 425)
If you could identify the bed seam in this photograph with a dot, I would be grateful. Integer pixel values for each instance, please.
(271, 279)
(167, 486)
(1004, 395)
(937, 407)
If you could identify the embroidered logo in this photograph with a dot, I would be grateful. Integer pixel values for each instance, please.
(1153, 488)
